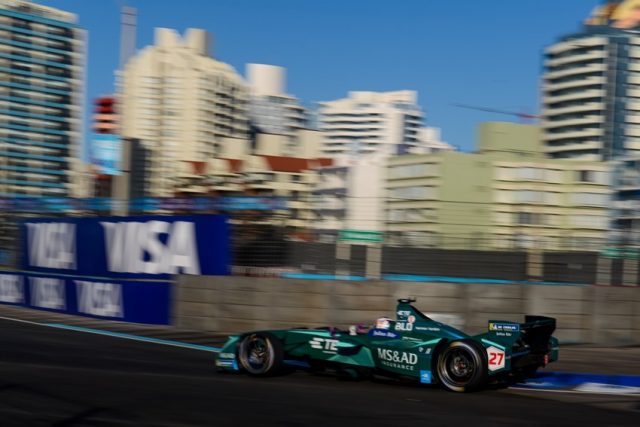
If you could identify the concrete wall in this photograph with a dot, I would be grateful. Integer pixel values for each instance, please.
(585, 314)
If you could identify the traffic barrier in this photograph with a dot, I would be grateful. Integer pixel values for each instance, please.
(145, 247)
(122, 300)
(585, 314)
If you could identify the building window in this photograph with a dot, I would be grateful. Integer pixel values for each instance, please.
(589, 221)
(595, 177)
(408, 171)
(412, 193)
(590, 199)
(529, 218)
(528, 196)
(531, 174)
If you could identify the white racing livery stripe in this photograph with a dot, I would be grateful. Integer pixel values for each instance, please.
(132, 337)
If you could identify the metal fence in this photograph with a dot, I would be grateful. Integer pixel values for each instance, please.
(264, 258)
(263, 246)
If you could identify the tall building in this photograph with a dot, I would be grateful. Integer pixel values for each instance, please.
(371, 122)
(349, 195)
(181, 103)
(42, 64)
(500, 197)
(430, 142)
(271, 109)
(591, 88)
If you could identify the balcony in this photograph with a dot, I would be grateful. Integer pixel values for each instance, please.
(581, 43)
(578, 146)
(632, 131)
(588, 120)
(593, 93)
(584, 107)
(548, 87)
(585, 133)
(595, 68)
(594, 55)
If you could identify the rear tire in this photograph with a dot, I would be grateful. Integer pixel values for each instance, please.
(462, 366)
(261, 354)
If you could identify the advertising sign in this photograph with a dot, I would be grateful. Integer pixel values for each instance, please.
(360, 236)
(106, 152)
(126, 301)
(143, 247)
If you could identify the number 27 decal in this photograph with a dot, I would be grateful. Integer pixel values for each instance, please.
(496, 358)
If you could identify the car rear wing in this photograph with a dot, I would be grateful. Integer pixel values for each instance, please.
(535, 332)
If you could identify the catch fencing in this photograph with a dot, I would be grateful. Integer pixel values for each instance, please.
(266, 251)
(261, 247)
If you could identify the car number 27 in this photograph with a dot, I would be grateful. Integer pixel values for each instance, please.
(496, 358)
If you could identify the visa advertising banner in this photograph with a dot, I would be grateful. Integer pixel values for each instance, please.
(126, 301)
(144, 247)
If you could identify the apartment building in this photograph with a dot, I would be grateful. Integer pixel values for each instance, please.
(370, 122)
(350, 195)
(271, 109)
(508, 194)
(292, 178)
(591, 89)
(42, 66)
(182, 103)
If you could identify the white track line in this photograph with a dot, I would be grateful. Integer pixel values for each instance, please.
(121, 335)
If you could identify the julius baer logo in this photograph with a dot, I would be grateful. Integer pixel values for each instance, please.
(131, 247)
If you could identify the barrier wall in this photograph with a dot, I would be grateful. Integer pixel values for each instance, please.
(143, 247)
(116, 268)
(122, 300)
(585, 314)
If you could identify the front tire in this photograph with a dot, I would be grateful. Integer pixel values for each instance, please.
(261, 354)
(462, 366)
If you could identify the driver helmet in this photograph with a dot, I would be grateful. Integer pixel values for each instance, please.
(383, 323)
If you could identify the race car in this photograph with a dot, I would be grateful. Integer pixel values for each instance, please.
(412, 347)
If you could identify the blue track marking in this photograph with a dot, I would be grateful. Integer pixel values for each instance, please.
(416, 278)
(567, 380)
(135, 337)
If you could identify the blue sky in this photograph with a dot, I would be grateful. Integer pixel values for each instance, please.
(485, 53)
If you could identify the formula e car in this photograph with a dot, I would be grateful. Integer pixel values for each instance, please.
(413, 346)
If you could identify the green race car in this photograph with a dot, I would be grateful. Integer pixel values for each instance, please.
(412, 346)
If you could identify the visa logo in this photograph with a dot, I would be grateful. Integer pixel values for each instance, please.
(52, 245)
(100, 299)
(11, 288)
(47, 293)
(135, 247)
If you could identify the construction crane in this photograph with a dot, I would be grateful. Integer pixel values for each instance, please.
(521, 116)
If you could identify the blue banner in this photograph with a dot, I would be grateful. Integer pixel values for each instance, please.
(143, 247)
(106, 152)
(125, 301)
(39, 205)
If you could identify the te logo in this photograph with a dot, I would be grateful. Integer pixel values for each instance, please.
(326, 345)
(496, 358)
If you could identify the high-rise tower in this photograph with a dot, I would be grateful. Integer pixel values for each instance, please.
(42, 61)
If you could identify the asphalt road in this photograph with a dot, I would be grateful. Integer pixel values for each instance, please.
(51, 377)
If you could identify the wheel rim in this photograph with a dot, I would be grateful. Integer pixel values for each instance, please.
(458, 366)
(257, 354)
